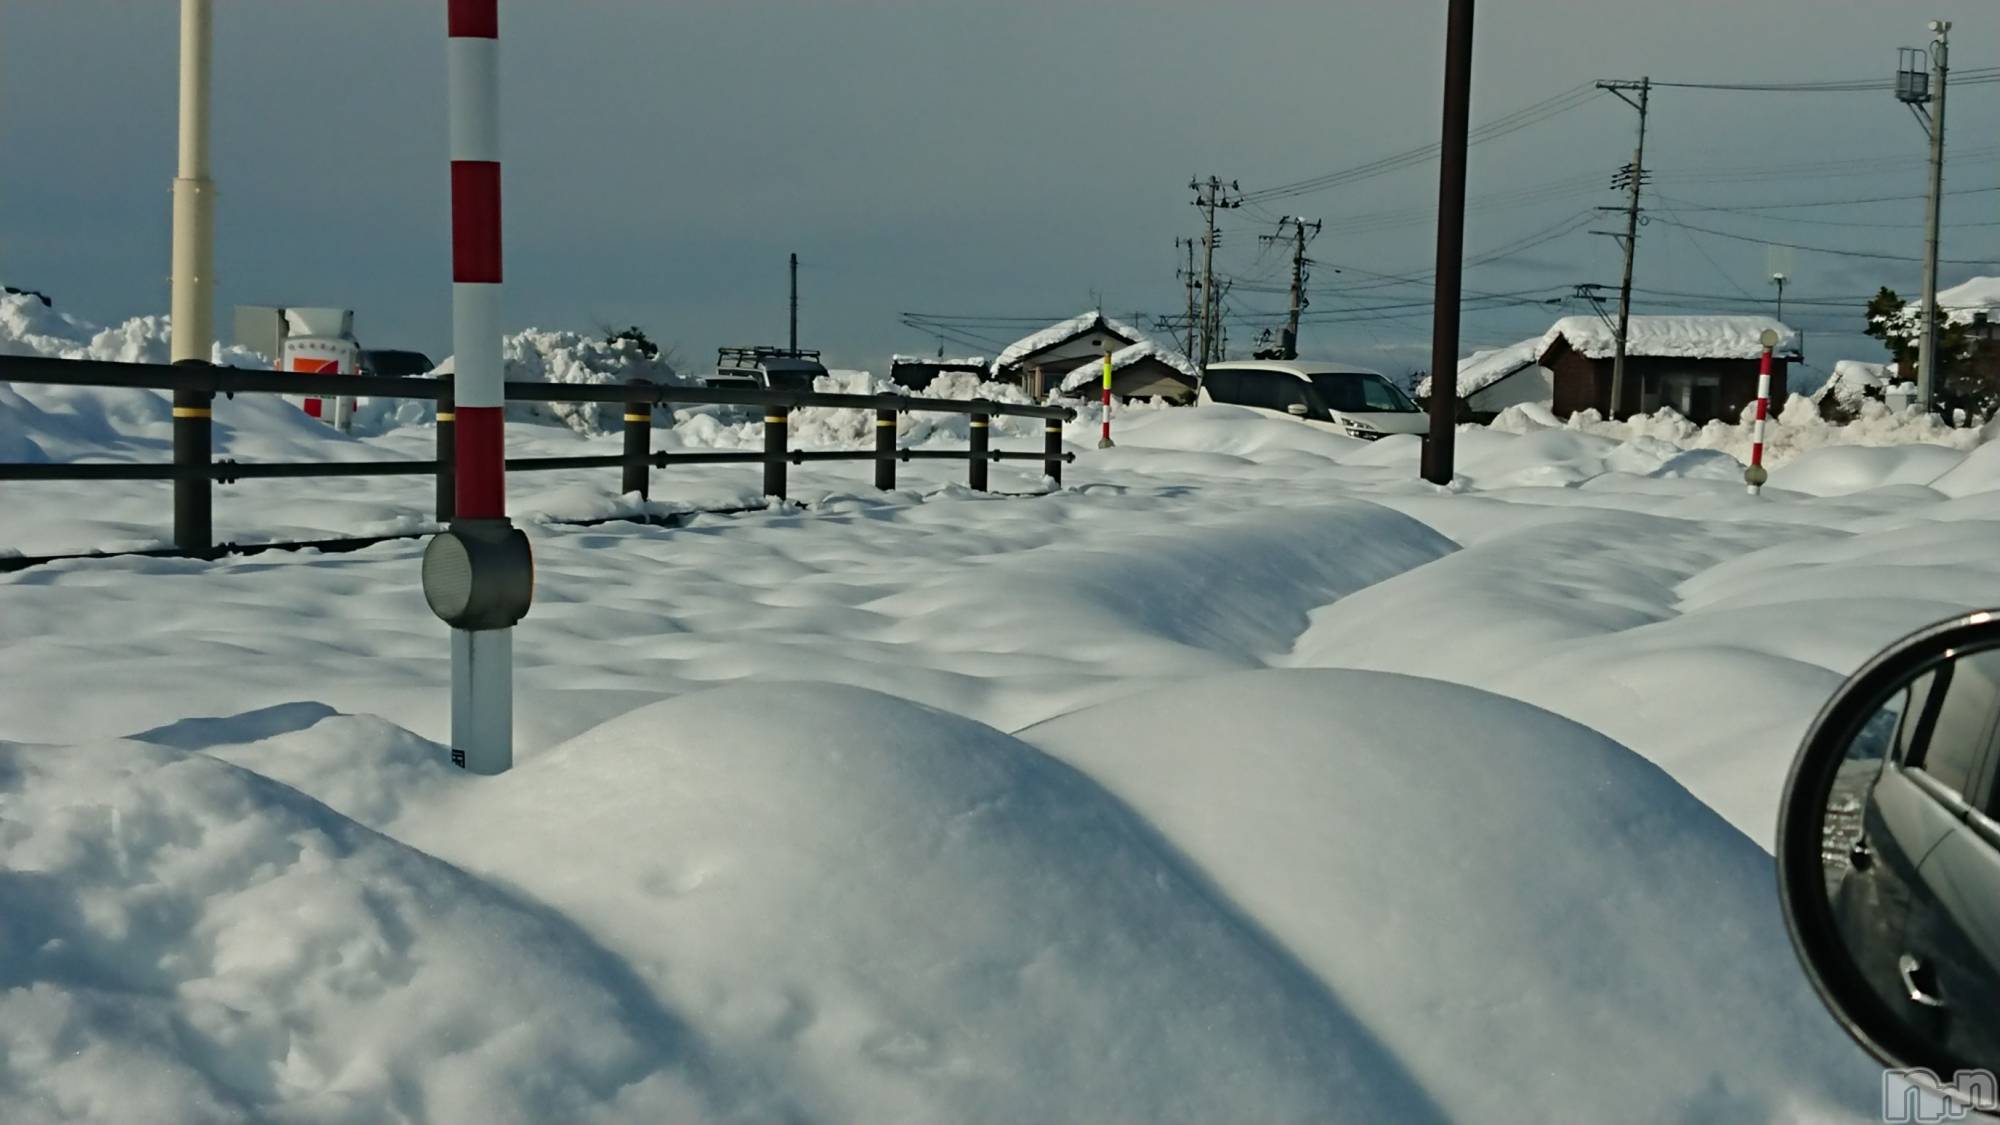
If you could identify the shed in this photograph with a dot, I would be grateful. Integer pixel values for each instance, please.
(1044, 356)
(1490, 381)
(918, 372)
(1704, 367)
(1142, 370)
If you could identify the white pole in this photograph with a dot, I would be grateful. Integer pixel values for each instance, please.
(194, 194)
(1928, 341)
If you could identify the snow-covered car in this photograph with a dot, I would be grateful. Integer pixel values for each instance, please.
(1340, 397)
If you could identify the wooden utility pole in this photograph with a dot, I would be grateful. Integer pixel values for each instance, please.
(1303, 232)
(1632, 178)
(795, 304)
(1438, 454)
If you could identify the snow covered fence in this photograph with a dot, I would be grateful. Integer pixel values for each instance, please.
(638, 399)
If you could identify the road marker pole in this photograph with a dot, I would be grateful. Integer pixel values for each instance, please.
(1755, 476)
(1105, 441)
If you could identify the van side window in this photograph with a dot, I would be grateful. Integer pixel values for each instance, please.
(1224, 386)
(1959, 723)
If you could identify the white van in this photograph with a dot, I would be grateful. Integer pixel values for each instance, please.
(1340, 397)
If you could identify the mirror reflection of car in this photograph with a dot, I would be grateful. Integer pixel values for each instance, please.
(1339, 397)
(1889, 856)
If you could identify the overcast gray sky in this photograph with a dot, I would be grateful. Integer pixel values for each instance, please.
(968, 159)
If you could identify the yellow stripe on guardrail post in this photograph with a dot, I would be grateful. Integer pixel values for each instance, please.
(885, 449)
(638, 446)
(776, 434)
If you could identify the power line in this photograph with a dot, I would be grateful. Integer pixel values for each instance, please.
(1974, 77)
(1747, 208)
(1493, 130)
(1821, 249)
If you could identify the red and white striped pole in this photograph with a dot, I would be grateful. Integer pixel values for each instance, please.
(1105, 441)
(1755, 475)
(483, 575)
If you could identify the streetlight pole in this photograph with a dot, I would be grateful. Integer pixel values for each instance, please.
(1779, 280)
(193, 299)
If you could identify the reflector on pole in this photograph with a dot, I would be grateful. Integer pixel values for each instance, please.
(478, 576)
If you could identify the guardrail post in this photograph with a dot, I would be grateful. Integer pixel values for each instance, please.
(885, 449)
(1052, 450)
(978, 461)
(194, 434)
(447, 452)
(638, 445)
(776, 429)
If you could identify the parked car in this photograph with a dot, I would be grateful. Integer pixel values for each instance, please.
(395, 363)
(1889, 863)
(1339, 397)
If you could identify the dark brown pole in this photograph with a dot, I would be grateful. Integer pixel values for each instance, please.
(776, 430)
(885, 449)
(1052, 451)
(194, 512)
(1438, 453)
(638, 446)
(977, 461)
(447, 453)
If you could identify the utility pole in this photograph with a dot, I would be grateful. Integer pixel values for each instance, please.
(1632, 178)
(1188, 278)
(1440, 451)
(795, 304)
(1926, 101)
(1211, 197)
(1302, 233)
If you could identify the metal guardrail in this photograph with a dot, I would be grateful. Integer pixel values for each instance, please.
(194, 468)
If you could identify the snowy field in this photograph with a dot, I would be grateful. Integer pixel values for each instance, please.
(1246, 778)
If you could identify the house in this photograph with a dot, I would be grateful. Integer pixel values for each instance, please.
(1143, 370)
(1039, 360)
(918, 372)
(1491, 381)
(1704, 367)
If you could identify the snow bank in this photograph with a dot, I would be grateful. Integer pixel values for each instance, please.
(185, 941)
(1796, 429)
(1481, 880)
(897, 914)
(537, 356)
(1484, 368)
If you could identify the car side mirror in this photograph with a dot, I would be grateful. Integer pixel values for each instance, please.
(1889, 860)
(1297, 409)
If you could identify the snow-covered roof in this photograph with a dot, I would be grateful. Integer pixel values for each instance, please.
(1693, 337)
(1482, 369)
(1056, 333)
(1126, 357)
(941, 361)
(1962, 304)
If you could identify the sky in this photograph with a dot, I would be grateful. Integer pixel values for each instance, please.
(980, 160)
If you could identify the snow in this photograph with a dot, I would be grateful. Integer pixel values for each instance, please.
(978, 361)
(1702, 337)
(1060, 331)
(1484, 368)
(1852, 379)
(1118, 802)
(1960, 304)
(1126, 357)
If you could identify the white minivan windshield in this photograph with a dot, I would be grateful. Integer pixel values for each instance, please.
(1361, 392)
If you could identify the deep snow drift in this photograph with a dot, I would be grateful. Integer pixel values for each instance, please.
(1117, 802)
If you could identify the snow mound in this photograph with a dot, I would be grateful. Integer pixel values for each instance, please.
(1479, 879)
(1847, 469)
(184, 941)
(1702, 337)
(537, 356)
(906, 916)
